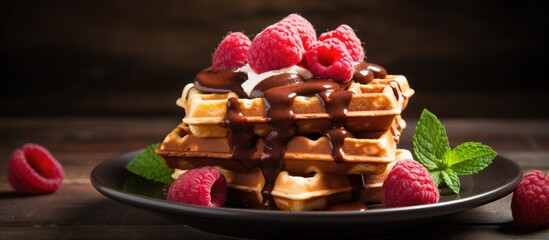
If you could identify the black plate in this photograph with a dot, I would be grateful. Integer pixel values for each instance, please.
(112, 180)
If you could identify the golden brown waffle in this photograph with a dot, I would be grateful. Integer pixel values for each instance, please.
(368, 154)
(291, 193)
(313, 191)
(373, 107)
(319, 153)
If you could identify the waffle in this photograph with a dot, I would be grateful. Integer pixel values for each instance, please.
(289, 132)
(310, 170)
(291, 192)
(314, 191)
(367, 155)
(374, 107)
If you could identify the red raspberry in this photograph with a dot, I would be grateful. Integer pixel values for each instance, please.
(231, 52)
(347, 35)
(32, 169)
(530, 203)
(330, 59)
(304, 28)
(204, 186)
(408, 184)
(277, 46)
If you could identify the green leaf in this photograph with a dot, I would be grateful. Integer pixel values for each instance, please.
(433, 151)
(437, 178)
(430, 140)
(151, 166)
(470, 157)
(451, 179)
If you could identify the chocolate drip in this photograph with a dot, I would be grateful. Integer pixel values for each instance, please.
(278, 102)
(242, 138)
(379, 71)
(278, 99)
(278, 80)
(357, 183)
(336, 104)
(242, 141)
(397, 90)
(366, 72)
(222, 81)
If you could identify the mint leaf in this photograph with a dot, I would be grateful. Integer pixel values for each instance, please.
(433, 151)
(470, 157)
(150, 166)
(430, 140)
(437, 178)
(451, 179)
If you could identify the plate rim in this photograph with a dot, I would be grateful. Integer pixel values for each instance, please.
(255, 215)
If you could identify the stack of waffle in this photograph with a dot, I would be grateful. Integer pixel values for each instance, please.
(297, 151)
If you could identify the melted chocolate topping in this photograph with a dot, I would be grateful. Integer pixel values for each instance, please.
(366, 72)
(278, 93)
(278, 102)
(222, 81)
(357, 183)
(275, 81)
(336, 103)
(242, 138)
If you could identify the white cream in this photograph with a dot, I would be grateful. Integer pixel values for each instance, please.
(254, 78)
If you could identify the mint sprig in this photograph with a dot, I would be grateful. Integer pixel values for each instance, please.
(151, 166)
(433, 151)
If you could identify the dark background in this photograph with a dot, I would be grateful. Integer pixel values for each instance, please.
(479, 59)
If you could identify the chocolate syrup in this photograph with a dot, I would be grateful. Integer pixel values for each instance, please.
(357, 183)
(336, 104)
(397, 90)
(278, 93)
(278, 103)
(366, 72)
(222, 81)
(242, 138)
(275, 81)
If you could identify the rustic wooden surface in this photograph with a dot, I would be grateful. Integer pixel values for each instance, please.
(78, 211)
(127, 61)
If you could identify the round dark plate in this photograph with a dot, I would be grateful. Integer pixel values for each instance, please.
(112, 180)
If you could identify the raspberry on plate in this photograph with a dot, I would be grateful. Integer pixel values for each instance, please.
(347, 35)
(530, 203)
(32, 169)
(204, 186)
(231, 52)
(330, 59)
(409, 184)
(276, 47)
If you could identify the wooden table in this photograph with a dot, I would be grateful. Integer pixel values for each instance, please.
(78, 211)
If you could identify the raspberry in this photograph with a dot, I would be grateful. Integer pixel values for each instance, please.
(33, 170)
(530, 203)
(204, 186)
(408, 184)
(347, 35)
(304, 28)
(277, 46)
(231, 52)
(330, 59)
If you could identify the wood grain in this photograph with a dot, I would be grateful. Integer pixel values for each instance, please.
(78, 211)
